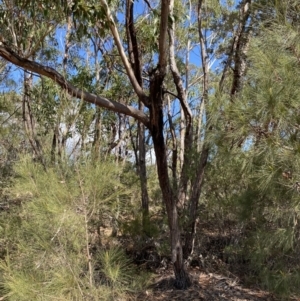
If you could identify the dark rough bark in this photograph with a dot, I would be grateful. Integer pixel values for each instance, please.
(143, 174)
(134, 59)
(242, 41)
(182, 279)
(133, 49)
(54, 145)
(238, 49)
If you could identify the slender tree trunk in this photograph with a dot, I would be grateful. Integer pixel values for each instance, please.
(97, 134)
(143, 173)
(54, 144)
(182, 136)
(182, 279)
(29, 120)
(190, 230)
(134, 58)
(174, 147)
(197, 183)
(198, 141)
(57, 140)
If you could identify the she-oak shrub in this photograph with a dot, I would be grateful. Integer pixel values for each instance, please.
(258, 187)
(50, 250)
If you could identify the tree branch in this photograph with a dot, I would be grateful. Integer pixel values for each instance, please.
(148, 4)
(187, 143)
(176, 76)
(242, 44)
(174, 144)
(14, 58)
(163, 44)
(237, 48)
(133, 49)
(130, 72)
(204, 56)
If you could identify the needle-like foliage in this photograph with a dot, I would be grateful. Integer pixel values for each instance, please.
(51, 250)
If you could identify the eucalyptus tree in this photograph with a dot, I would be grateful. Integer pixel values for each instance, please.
(159, 70)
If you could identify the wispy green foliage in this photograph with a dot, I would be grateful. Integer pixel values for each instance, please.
(49, 256)
(259, 185)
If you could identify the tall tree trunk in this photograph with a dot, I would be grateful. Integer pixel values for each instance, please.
(134, 58)
(190, 227)
(182, 279)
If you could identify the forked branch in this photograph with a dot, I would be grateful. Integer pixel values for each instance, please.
(130, 72)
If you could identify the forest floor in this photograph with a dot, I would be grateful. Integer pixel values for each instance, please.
(214, 277)
(206, 287)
